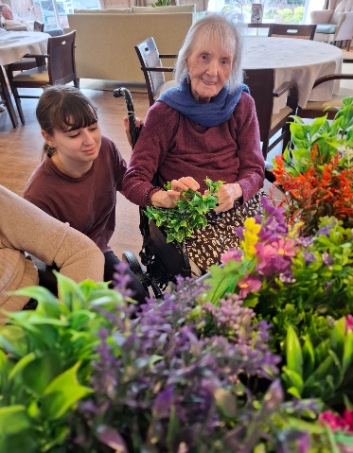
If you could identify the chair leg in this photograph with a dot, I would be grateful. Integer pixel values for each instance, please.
(265, 146)
(18, 104)
(5, 94)
(286, 138)
(77, 82)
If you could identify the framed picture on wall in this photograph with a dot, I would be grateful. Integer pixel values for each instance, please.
(257, 10)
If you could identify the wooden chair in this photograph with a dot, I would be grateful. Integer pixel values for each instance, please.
(27, 63)
(59, 71)
(292, 31)
(314, 109)
(261, 84)
(153, 69)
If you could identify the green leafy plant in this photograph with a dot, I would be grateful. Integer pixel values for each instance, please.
(161, 3)
(45, 363)
(189, 212)
(319, 371)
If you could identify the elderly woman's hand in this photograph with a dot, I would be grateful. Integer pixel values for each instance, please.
(227, 194)
(167, 198)
(183, 184)
(138, 123)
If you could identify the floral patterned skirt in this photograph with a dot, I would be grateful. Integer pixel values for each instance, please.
(210, 242)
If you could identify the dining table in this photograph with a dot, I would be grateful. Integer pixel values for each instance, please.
(14, 45)
(295, 60)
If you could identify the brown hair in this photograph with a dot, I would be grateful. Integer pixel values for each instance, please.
(65, 108)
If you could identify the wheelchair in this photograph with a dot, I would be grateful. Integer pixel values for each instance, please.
(162, 261)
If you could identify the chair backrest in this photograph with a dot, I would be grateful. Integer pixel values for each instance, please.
(261, 84)
(38, 26)
(61, 64)
(292, 31)
(149, 57)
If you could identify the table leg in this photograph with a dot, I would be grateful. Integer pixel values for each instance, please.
(7, 98)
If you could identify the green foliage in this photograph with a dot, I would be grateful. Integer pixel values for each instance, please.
(324, 374)
(45, 363)
(189, 213)
(161, 3)
(298, 14)
(321, 135)
(287, 14)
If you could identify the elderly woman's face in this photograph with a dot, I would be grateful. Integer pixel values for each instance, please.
(209, 66)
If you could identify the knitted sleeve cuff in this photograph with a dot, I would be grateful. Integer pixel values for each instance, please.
(149, 194)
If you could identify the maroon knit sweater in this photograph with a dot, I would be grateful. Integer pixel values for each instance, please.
(176, 146)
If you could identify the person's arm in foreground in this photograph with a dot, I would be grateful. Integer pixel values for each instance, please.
(27, 228)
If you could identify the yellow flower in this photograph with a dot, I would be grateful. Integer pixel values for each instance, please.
(250, 237)
(294, 230)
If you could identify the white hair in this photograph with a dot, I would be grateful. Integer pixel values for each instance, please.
(220, 27)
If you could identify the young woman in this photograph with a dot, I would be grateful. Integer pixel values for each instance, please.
(81, 172)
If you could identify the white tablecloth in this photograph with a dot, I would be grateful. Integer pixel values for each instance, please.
(15, 44)
(295, 60)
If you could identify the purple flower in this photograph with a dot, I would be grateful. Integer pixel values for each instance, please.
(287, 278)
(305, 242)
(328, 285)
(271, 229)
(240, 232)
(325, 231)
(274, 396)
(232, 254)
(327, 259)
(298, 441)
(250, 284)
(272, 210)
(163, 402)
(309, 257)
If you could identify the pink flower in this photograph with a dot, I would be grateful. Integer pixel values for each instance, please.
(232, 254)
(334, 421)
(348, 418)
(349, 322)
(276, 257)
(249, 285)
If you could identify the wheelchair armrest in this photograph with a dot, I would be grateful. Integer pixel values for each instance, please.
(164, 69)
(44, 55)
(167, 56)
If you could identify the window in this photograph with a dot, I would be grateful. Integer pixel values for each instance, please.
(53, 13)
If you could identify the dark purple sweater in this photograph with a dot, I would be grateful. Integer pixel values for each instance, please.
(88, 202)
(177, 147)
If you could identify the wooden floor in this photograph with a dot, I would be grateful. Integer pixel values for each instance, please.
(21, 149)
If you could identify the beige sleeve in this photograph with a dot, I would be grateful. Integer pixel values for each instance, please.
(25, 227)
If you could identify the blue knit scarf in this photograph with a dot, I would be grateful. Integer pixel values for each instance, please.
(216, 112)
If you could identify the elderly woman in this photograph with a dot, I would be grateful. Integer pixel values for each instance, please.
(206, 127)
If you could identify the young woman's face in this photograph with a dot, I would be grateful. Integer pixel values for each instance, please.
(209, 66)
(77, 145)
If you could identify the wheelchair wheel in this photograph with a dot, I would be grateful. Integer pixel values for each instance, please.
(135, 266)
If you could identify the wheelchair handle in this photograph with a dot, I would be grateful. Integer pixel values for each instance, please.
(134, 131)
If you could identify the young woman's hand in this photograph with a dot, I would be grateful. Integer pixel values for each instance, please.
(167, 198)
(138, 123)
(227, 194)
